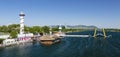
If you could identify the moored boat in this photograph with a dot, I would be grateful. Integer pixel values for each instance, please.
(49, 40)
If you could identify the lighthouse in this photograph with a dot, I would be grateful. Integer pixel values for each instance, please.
(50, 30)
(60, 28)
(21, 22)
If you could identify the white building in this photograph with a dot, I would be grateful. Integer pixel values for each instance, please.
(25, 35)
(4, 36)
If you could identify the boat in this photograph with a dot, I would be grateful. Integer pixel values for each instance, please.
(9, 42)
(49, 40)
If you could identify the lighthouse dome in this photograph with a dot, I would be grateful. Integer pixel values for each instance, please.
(21, 13)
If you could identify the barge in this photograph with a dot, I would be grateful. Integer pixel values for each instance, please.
(49, 40)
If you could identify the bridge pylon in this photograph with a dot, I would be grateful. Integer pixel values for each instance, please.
(95, 32)
(104, 33)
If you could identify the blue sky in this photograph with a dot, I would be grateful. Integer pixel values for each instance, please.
(101, 13)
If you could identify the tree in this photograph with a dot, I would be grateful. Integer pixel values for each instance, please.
(13, 34)
(27, 29)
(1, 40)
(45, 29)
(4, 29)
(34, 29)
(55, 29)
(12, 27)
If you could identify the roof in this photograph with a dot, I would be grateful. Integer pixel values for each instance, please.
(47, 37)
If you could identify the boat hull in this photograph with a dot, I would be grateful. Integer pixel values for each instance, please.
(49, 42)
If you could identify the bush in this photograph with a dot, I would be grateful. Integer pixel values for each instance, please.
(1, 40)
(13, 34)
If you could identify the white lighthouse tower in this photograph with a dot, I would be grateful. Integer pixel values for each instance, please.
(21, 22)
(60, 28)
(50, 30)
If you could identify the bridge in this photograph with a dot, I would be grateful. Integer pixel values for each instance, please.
(83, 36)
(95, 33)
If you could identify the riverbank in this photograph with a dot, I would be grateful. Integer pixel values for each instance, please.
(113, 30)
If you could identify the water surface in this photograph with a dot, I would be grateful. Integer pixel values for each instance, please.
(69, 47)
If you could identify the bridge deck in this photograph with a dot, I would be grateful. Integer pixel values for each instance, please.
(75, 35)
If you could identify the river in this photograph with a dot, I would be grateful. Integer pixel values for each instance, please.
(69, 47)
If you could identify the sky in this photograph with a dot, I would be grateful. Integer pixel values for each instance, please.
(101, 13)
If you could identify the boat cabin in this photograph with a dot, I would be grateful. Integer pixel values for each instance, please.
(8, 42)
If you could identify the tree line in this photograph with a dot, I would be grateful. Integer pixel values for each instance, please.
(13, 29)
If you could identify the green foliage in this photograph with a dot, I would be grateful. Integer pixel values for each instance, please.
(35, 29)
(113, 30)
(3, 28)
(45, 29)
(13, 34)
(1, 40)
(27, 29)
(55, 29)
(13, 29)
